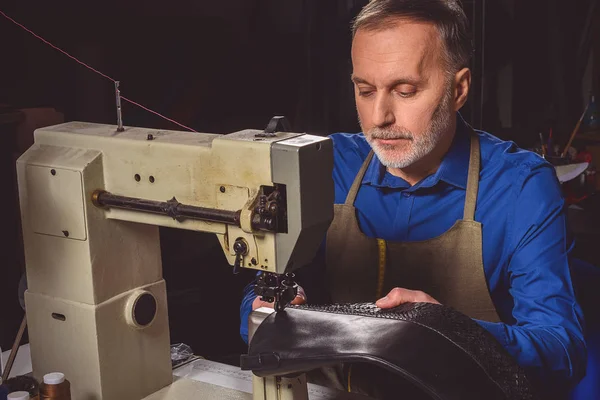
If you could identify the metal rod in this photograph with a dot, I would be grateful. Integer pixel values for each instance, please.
(171, 208)
(15, 349)
(119, 115)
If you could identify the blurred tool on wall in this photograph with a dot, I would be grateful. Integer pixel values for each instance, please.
(591, 120)
(574, 167)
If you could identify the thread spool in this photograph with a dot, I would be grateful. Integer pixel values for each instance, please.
(55, 387)
(21, 395)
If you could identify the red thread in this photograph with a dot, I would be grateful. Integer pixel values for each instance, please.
(154, 112)
(92, 69)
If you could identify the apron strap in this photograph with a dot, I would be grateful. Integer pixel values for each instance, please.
(472, 179)
(358, 180)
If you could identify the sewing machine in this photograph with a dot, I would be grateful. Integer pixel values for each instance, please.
(92, 197)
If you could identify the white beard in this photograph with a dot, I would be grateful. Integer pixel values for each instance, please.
(419, 146)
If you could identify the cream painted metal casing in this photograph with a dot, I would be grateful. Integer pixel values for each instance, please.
(87, 265)
(274, 387)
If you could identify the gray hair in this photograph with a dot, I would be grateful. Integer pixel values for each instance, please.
(447, 15)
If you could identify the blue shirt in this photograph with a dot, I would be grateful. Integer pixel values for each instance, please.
(525, 241)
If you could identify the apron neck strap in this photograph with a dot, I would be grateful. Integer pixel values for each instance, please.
(358, 180)
(472, 179)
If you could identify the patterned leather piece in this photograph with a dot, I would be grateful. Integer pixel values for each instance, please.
(456, 327)
(441, 351)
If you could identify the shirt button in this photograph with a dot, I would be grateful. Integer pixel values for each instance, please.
(406, 194)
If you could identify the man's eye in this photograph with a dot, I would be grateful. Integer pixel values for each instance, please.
(407, 94)
(365, 93)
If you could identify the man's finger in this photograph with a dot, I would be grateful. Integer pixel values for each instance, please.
(258, 303)
(384, 302)
(298, 300)
(394, 298)
(399, 296)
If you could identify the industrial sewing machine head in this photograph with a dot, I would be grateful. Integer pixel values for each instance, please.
(92, 198)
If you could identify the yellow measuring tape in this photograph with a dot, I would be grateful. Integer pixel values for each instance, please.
(382, 260)
(349, 374)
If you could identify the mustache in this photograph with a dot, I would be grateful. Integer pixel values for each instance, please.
(389, 134)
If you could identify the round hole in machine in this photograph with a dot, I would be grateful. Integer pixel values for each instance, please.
(143, 309)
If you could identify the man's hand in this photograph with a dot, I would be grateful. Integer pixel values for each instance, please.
(299, 299)
(398, 296)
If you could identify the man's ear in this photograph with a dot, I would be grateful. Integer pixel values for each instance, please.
(462, 83)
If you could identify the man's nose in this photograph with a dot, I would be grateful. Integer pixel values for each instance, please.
(383, 111)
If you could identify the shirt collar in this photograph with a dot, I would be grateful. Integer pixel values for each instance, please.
(453, 169)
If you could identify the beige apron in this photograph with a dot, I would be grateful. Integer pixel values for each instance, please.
(448, 267)
(362, 269)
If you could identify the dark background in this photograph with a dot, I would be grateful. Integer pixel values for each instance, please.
(222, 66)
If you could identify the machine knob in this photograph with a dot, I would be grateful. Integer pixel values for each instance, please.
(240, 248)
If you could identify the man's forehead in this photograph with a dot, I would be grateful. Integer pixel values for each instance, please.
(400, 32)
(413, 45)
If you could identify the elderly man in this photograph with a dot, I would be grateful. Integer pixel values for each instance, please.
(427, 210)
